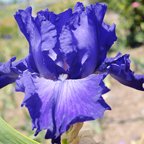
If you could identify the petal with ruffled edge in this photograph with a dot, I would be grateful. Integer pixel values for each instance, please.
(86, 39)
(50, 26)
(72, 57)
(10, 70)
(59, 20)
(56, 105)
(89, 39)
(119, 68)
(41, 35)
(106, 34)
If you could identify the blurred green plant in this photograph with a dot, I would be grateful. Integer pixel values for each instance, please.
(132, 12)
(8, 135)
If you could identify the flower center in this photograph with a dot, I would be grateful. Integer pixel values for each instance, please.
(63, 77)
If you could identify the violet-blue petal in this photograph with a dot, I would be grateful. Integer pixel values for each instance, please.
(10, 70)
(59, 20)
(41, 34)
(70, 53)
(50, 25)
(86, 38)
(106, 35)
(119, 68)
(85, 35)
(47, 32)
(28, 28)
(56, 105)
(49, 50)
(31, 64)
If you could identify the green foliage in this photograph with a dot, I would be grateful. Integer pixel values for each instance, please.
(64, 141)
(8, 135)
(132, 13)
(58, 6)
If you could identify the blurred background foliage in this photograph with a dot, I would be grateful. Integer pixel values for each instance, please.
(128, 15)
(131, 20)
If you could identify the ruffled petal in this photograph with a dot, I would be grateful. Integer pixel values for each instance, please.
(87, 39)
(103, 35)
(74, 43)
(41, 35)
(119, 68)
(59, 20)
(50, 26)
(106, 35)
(65, 37)
(56, 105)
(10, 70)
(49, 46)
(70, 53)
(30, 31)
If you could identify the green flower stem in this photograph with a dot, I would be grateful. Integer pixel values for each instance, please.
(64, 141)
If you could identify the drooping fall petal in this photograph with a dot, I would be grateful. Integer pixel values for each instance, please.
(56, 105)
(119, 68)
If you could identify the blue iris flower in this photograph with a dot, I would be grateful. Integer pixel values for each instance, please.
(62, 76)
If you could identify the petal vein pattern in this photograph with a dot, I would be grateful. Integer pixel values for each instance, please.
(55, 105)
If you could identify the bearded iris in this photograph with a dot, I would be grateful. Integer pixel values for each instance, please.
(62, 76)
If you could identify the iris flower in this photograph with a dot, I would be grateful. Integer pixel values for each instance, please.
(62, 76)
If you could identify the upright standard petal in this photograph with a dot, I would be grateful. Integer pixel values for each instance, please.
(70, 53)
(119, 68)
(85, 33)
(106, 35)
(88, 39)
(41, 35)
(56, 105)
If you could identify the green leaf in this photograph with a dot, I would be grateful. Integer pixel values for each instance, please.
(9, 135)
(139, 36)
